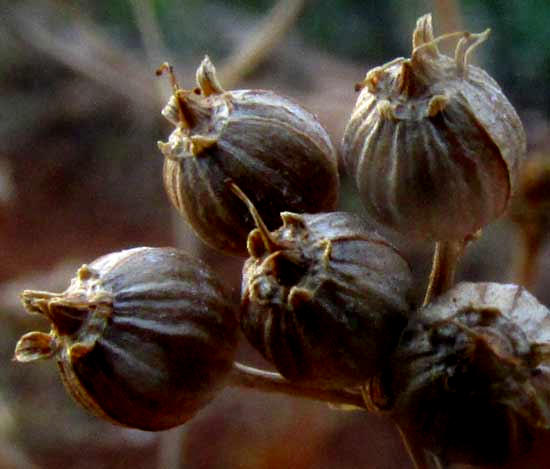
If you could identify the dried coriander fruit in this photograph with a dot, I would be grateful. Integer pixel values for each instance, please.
(271, 147)
(469, 380)
(143, 337)
(323, 299)
(433, 144)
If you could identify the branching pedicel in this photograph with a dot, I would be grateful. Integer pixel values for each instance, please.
(435, 149)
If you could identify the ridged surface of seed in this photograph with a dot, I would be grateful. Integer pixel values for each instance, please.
(433, 144)
(465, 381)
(168, 345)
(326, 308)
(275, 151)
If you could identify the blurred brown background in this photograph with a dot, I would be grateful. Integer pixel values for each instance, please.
(80, 176)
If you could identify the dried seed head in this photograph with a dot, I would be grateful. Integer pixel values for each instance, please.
(143, 337)
(323, 299)
(273, 149)
(433, 144)
(469, 379)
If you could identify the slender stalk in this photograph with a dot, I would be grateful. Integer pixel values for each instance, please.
(155, 50)
(259, 44)
(415, 452)
(92, 53)
(442, 278)
(269, 381)
(170, 451)
(420, 458)
(446, 257)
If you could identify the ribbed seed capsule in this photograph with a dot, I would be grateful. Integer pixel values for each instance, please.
(433, 144)
(470, 380)
(272, 148)
(143, 337)
(323, 299)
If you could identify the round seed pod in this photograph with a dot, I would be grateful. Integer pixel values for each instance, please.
(469, 380)
(143, 337)
(272, 148)
(433, 144)
(323, 299)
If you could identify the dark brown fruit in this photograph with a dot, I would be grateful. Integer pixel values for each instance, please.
(274, 150)
(143, 337)
(324, 299)
(469, 380)
(433, 144)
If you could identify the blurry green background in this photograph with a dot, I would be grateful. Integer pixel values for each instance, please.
(517, 54)
(80, 175)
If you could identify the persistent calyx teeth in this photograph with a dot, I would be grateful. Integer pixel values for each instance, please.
(37, 301)
(78, 350)
(35, 346)
(200, 143)
(437, 104)
(298, 296)
(207, 78)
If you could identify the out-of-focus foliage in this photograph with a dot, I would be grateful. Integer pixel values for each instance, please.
(518, 52)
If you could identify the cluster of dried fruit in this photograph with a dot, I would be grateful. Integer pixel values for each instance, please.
(146, 337)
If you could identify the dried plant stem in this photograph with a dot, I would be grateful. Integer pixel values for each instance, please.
(155, 50)
(435, 462)
(269, 381)
(445, 259)
(259, 44)
(170, 450)
(526, 262)
(415, 452)
(448, 14)
(420, 458)
(92, 53)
